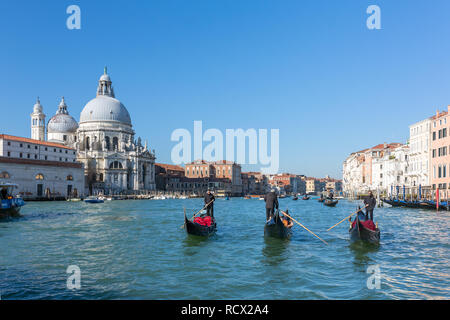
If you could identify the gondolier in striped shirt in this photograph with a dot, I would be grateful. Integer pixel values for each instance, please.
(271, 200)
(370, 202)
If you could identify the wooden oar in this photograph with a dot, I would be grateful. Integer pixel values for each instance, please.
(199, 211)
(304, 227)
(347, 217)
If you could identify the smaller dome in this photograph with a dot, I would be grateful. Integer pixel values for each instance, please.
(105, 77)
(62, 122)
(37, 107)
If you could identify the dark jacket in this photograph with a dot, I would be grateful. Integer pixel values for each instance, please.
(271, 200)
(208, 198)
(371, 202)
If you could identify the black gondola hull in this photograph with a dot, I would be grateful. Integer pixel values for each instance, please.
(276, 229)
(10, 212)
(199, 230)
(359, 232)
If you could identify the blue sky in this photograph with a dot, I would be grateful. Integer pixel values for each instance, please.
(309, 68)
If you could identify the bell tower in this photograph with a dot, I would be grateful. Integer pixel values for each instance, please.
(38, 122)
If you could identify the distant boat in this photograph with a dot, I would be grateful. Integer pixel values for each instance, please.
(93, 200)
(10, 205)
(305, 198)
(330, 202)
(295, 198)
(74, 199)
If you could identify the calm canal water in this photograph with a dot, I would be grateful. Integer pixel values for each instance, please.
(137, 250)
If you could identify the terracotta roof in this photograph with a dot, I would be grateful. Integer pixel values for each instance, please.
(27, 140)
(170, 166)
(41, 162)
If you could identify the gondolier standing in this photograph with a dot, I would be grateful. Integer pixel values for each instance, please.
(370, 202)
(209, 197)
(271, 200)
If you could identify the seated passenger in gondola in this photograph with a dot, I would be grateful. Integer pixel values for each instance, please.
(287, 221)
(330, 196)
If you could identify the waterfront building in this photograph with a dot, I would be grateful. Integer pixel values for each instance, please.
(390, 173)
(358, 175)
(439, 151)
(104, 140)
(313, 185)
(288, 183)
(41, 169)
(419, 155)
(164, 174)
(219, 169)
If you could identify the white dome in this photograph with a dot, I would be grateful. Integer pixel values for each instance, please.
(37, 107)
(62, 123)
(105, 108)
(105, 77)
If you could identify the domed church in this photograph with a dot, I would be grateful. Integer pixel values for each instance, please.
(114, 161)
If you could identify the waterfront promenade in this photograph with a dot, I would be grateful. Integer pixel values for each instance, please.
(137, 250)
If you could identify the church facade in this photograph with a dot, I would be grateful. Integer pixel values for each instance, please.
(104, 140)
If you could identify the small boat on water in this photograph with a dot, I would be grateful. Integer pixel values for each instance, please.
(203, 226)
(364, 230)
(295, 198)
(9, 205)
(73, 199)
(278, 227)
(306, 198)
(93, 200)
(247, 197)
(330, 202)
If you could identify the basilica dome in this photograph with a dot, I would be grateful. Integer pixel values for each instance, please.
(105, 107)
(62, 122)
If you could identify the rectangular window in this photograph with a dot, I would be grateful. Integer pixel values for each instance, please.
(444, 132)
(9, 154)
(434, 135)
(9, 143)
(20, 155)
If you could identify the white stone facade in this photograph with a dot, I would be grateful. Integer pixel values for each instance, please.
(419, 141)
(40, 169)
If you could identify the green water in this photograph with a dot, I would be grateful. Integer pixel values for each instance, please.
(137, 250)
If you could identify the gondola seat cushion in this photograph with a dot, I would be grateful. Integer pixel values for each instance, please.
(204, 221)
(367, 224)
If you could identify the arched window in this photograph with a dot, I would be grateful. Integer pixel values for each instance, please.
(108, 143)
(4, 175)
(88, 145)
(115, 165)
(115, 144)
(69, 178)
(39, 176)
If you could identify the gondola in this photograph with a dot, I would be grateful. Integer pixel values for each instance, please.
(393, 202)
(275, 228)
(330, 202)
(305, 198)
(359, 232)
(295, 198)
(198, 229)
